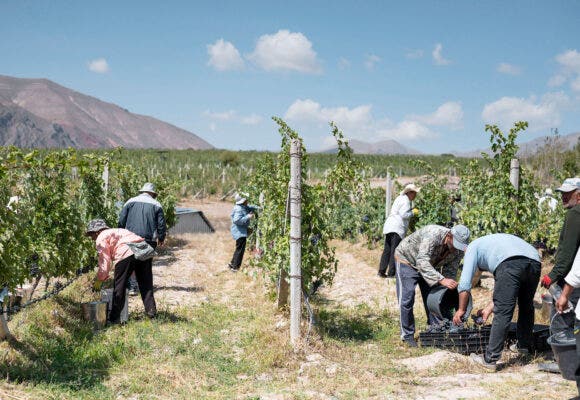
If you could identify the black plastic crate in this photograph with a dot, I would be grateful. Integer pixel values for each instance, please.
(464, 340)
(541, 335)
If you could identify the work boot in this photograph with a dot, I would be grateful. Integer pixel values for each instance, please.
(381, 274)
(410, 342)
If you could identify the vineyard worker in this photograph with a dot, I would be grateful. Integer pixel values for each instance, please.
(568, 244)
(548, 198)
(395, 228)
(427, 257)
(516, 266)
(241, 216)
(572, 282)
(143, 215)
(113, 250)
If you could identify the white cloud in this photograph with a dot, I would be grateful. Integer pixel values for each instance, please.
(448, 114)
(569, 63)
(100, 66)
(343, 63)
(360, 123)
(438, 58)
(540, 113)
(212, 127)
(252, 119)
(224, 56)
(371, 60)
(232, 116)
(557, 80)
(575, 84)
(285, 51)
(221, 116)
(414, 54)
(406, 130)
(311, 111)
(509, 69)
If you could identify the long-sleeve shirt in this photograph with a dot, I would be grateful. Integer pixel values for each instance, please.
(241, 220)
(399, 216)
(573, 279)
(426, 251)
(112, 248)
(567, 244)
(487, 252)
(144, 216)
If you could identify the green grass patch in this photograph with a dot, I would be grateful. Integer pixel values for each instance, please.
(192, 353)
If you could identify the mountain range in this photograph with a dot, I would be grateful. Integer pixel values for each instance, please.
(38, 113)
(565, 142)
(382, 147)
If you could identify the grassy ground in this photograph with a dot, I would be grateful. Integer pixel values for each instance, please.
(219, 336)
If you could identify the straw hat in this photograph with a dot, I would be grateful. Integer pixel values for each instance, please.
(411, 188)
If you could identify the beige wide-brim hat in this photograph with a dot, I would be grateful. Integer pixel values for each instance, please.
(411, 188)
(239, 199)
(149, 188)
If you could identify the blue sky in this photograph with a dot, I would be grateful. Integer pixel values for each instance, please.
(427, 74)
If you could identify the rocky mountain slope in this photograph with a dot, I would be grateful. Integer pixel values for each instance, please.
(42, 114)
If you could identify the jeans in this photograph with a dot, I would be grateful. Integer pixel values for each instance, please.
(407, 279)
(392, 240)
(516, 279)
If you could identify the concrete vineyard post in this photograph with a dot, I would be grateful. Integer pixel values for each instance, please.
(515, 173)
(4, 332)
(106, 178)
(295, 241)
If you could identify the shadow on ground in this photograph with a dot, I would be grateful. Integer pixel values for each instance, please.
(346, 325)
(191, 289)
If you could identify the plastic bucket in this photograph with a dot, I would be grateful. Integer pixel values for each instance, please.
(546, 306)
(443, 302)
(566, 356)
(95, 312)
(107, 296)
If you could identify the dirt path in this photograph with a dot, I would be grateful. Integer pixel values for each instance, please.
(193, 270)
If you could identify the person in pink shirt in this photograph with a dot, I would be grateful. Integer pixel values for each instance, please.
(114, 251)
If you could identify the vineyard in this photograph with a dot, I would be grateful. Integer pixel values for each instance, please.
(42, 233)
(59, 191)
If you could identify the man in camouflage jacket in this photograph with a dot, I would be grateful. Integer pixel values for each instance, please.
(428, 257)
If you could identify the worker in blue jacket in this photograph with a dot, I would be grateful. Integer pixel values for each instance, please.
(242, 215)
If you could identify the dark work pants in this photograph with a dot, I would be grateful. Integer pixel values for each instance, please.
(238, 253)
(144, 275)
(564, 322)
(516, 280)
(392, 240)
(407, 279)
(132, 282)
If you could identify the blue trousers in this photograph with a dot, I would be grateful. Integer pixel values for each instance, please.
(407, 279)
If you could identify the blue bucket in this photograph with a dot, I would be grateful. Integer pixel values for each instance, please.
(565, 354)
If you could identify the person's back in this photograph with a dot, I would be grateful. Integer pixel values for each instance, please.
(143, 215)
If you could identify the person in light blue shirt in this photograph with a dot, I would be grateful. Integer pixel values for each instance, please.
(516, 266)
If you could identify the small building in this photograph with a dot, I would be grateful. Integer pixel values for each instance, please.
(190, 220)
